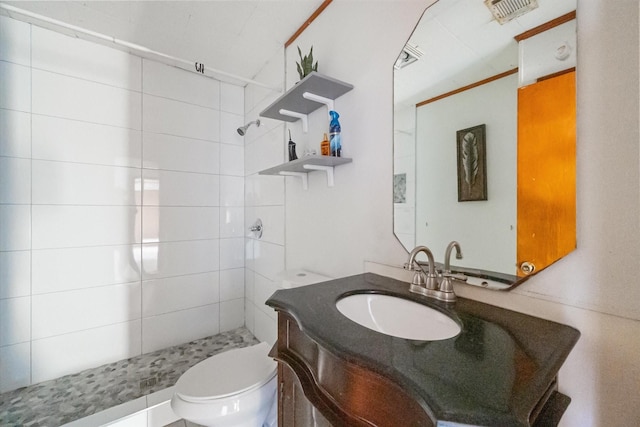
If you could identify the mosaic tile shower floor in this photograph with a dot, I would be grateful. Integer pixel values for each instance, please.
(69, 398)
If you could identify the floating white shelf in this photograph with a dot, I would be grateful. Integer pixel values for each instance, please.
(309, 94)
(301, 167)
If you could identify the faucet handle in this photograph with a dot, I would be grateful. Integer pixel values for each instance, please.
(419, 278)
(455, 276)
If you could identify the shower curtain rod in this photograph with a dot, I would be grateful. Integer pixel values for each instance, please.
(146, 52)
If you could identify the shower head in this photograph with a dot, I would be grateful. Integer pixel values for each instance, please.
(242, 130)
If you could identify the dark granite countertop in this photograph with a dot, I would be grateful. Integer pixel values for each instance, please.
(493, 373)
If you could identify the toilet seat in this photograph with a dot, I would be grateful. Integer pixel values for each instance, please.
(227, 374)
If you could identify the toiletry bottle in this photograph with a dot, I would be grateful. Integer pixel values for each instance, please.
(334, 134)
(292, 149)
(325, 149)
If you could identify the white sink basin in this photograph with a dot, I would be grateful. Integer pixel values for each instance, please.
(398, 317)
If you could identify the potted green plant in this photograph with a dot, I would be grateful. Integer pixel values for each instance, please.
(306, 65)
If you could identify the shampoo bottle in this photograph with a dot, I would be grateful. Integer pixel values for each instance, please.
(334, 134)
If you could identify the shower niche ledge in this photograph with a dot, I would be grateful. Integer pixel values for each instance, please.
(305, 97)
(301, 168)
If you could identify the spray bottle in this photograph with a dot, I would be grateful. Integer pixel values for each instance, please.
(334, 134)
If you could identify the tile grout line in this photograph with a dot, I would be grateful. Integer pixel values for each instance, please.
(31, 204)
(142, 207)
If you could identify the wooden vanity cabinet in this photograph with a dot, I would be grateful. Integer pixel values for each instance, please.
(501, 370)
(319, 389)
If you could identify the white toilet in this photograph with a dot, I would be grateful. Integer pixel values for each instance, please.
(234, 388)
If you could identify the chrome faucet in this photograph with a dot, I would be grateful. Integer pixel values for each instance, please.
(446, 285)
(431, 280)
(430, 285)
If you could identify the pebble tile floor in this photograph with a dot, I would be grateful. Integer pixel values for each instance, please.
(72, 397)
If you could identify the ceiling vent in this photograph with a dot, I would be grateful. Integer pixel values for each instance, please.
(506, 10)
(409, 55)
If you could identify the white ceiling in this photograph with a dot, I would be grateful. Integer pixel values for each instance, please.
(235, 36)
(463, 44)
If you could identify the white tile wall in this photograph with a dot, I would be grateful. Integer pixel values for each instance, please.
(179, 326)
(231, 284)
(78, 58)
(15, 366)
(15, 37)
(15, 133)
(231, 191)
(174, 83)
(63, 183)
(63, 312)
(173, 223)
(264, 288)
(51, 357)
(15, 320)
(15, 222)
(180, 258)
(68, 97)
(115, 191)
(15, 180)
(180, 154)
(232, 222)
(73, 226)
(268, 151)
(167, 188)
(268, 259)
(15, 86)
(272, 215)
(265, 327)
(161, 296)
(264, 190)
(162, 115)
(229, 124)
(15, 274)
(64, 269)
(15, 199)
(82, 142)
(231, 314)
(232, 253)
(231, 98)
(231, 160)
(249, 318)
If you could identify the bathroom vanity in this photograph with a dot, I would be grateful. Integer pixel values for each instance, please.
(501, 369)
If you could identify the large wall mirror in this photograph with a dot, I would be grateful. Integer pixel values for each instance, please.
(484, 136)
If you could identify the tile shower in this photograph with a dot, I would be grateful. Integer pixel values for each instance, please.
(121, 205)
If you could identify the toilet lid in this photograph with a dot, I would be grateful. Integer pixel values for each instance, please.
(226, 374)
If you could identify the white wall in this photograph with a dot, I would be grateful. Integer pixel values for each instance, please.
(121, 205)
(440, 218)
(334, 230)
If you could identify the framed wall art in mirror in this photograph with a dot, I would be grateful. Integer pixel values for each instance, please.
(472, 164)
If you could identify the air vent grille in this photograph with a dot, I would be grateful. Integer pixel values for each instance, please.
(506, 10)
(409, 55)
